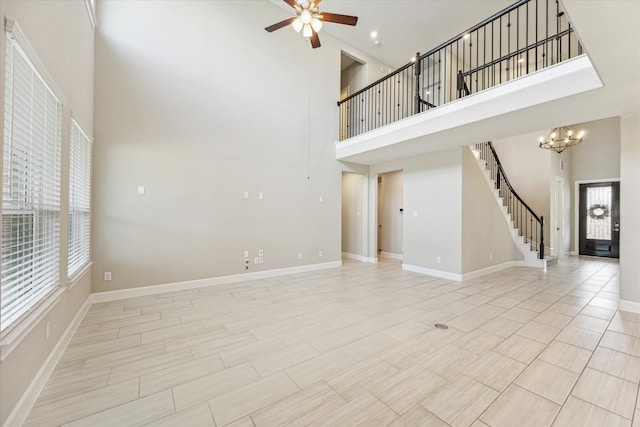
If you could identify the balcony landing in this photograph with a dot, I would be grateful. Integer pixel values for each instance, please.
(512, 108)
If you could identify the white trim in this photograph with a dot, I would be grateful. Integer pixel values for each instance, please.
(631, 306)
(13, 30)
(361, 258)
(576, 213)
(19, 414)
(25, 325)
(355, 257)
(390, 255)
(493, 269)
(91, 10)
(214, 281)
(75, 279)
(435, 273)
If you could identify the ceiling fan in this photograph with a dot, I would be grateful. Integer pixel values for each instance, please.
(309, 19)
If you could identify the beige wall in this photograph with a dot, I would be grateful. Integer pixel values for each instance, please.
(354, 188)
(198, 116)
(390, 219)
(630, 212)
(529, 171)
(63, 39)
(486, 235)
(432, 203)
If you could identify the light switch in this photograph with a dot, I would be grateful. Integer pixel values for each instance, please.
(246, 254)
(260, 196)
(246, 194)
(140, 189)
(321, 199)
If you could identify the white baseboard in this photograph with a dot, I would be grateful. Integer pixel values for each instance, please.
(355, 257)
(360, 258)
(493, 269)
(435, 273)
(21, 410)
(222, 280)
(391, 255)
(631, 306)
(462, 277)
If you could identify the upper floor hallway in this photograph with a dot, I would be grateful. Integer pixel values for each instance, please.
(535, 65)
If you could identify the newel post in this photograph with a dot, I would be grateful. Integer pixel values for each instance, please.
(417, 72)
(541, 237)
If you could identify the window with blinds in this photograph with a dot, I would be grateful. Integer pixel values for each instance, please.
(79, 199)
(30, 187)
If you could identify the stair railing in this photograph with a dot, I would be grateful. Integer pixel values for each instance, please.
(529, 225)
(523, 38)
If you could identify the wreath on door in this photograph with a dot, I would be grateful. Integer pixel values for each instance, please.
(598, 211)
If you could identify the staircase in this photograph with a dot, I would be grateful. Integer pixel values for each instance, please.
(527, 228)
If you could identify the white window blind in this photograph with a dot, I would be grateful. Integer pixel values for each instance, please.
(30, 187)
(79, 199)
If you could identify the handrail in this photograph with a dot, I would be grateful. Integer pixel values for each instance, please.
(437, 48)
(523, 221)
(525, 37)
(506, 180)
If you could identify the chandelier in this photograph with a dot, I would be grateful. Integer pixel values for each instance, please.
(560, 139)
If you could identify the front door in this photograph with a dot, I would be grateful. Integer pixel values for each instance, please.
(600, 219)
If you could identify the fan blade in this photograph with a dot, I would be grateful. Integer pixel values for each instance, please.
(338, 19)
(292, 3)
(315, 40)
(280, 24)
(316, 3)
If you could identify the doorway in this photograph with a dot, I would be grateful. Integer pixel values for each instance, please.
(390, 214)
(599, 219)
(354, 216)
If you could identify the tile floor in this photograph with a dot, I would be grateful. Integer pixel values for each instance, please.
(357, 346)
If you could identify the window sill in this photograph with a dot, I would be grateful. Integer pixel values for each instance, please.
(75, 279)
(14, 337)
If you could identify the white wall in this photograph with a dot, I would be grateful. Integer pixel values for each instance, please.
(432, 186)
(63, 39)
(196, 102)
(486, 235)
(390, 218)
(354, 188)
(528, 168)
(630, 213)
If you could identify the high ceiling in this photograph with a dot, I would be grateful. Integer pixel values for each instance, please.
(404, 27)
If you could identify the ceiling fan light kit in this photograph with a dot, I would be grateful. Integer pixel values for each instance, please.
(309, 20)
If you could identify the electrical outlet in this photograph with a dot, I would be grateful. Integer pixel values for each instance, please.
(438, 259)
(490, 256)
(256, 260)
(140, 189)
(260, 260)
(107, 276)
(321, 199)
(320, 254)
(300, 255)
(47, 330)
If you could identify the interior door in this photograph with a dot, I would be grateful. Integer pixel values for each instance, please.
(600, 219)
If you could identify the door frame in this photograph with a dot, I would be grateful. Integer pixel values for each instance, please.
(576, 209)
(557, 218)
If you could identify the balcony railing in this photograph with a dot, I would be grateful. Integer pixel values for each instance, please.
(526, 37)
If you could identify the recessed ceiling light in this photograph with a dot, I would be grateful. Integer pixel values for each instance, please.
(374, 34)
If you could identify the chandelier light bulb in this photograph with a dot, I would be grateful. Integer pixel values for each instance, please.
(316, 24)
(297, 25)
(307, 31)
